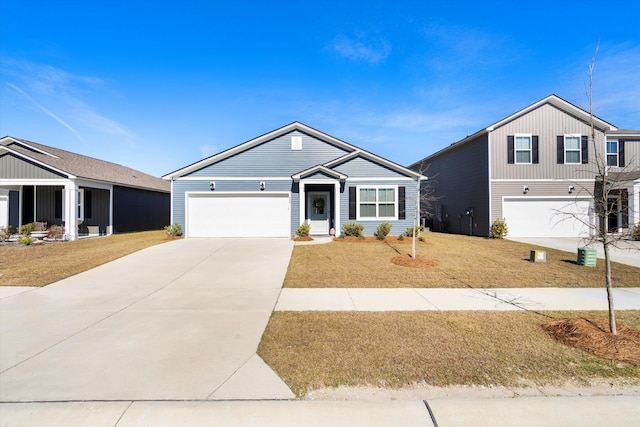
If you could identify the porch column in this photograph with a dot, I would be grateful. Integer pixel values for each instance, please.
(634, 204)
(4, 208)
(71, 210)
(110, 227)
(302, 196)
(336, 204)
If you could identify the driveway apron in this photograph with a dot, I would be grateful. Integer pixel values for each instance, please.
(181, 320)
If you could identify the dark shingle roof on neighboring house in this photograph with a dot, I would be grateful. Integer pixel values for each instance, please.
(86, 167)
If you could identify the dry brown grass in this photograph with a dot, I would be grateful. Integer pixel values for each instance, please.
(450, 261)
(312, 350)
(40, 265)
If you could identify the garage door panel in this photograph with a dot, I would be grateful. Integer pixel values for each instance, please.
(238, 215)
(546, 217)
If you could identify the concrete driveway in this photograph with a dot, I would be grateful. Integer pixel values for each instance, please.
(178, 321)
(627, 252)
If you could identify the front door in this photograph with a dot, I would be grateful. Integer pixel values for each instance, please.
(318, 212)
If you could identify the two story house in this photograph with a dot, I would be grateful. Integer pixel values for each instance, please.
(537, 169)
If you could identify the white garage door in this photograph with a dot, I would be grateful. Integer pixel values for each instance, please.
(238, 215)
(545, 217)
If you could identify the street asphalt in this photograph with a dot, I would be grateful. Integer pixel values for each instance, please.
(168, 336)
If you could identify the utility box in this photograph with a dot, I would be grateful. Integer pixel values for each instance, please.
(587, 257)
(538, 256)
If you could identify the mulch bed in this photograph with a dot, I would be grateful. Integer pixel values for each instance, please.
(420, 261)
(374, 239)
(593, 336)
(302, 238)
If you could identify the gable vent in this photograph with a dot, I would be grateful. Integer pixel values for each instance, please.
(296, 143)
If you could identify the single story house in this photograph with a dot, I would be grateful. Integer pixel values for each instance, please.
(272, 184)
(46, 184)
(532, 168)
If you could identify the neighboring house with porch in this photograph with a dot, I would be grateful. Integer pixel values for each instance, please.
(530, 168)
(39, 183)
(270, 185)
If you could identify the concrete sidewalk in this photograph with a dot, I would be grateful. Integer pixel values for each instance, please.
(419, 299)
(589, 411)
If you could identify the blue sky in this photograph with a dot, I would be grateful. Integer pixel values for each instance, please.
(157, 85)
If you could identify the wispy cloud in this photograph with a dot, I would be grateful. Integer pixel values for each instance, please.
(50, 88)
(362, 48)
(45, 110)
(207, 150)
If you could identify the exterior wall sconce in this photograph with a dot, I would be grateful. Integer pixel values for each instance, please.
(525, 189)
(571, 188)
(262, 185)
(212, 185)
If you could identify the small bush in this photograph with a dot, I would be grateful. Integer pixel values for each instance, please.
(303, 230)
(499, 229)
(25, 240)
(422, 239)
(382, 230)
(401, 237)
(352, 229)
(5, 233)
(636, 232)
(27, 229)
(173, 230)
(56, 232)
(411, 230)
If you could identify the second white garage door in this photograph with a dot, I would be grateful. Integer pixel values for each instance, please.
(544, 217)
(238, 215)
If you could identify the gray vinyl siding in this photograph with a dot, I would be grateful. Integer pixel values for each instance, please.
(359, 167)
(460, 180)
(12, 167)
(537, 189)
(180, 187)
(631, 154)
(46, 204)
(397, 227)
(99, 210)
(274, 158)
(547, 122)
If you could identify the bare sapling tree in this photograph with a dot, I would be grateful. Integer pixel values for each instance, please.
(421, 201)
(607, 187)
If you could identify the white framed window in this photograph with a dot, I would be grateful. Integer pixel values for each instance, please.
(572, 149)
(612, 153)
(523, 148)
(80, 204)
(377, 202)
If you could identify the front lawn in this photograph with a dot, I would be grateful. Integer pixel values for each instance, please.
(452, 261)
(40, 265)
(311, 350)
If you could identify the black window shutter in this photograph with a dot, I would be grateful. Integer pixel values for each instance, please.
(560, 149)
(624, 202)
(621, 154)
(87, 204)
(534, 149)
(402, 211)
(585, 149)
(510, 155)
(352, 202)
(58, 197)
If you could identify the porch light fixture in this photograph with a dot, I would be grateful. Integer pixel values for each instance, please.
(571, 188)
(262, 186)
(525, 189)
(212, 185)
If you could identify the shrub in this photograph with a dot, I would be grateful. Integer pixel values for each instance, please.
(352, 229)
(421, 238)
(636, 232)
(173, 230)
(410, 230)
(5, 233)
(499, 229)
(27, 229)
(303, 230)
(25, 240)
(382, 230)
(56, 232)
(401, 237)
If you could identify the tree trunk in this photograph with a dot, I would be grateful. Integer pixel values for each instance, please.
(607, 263)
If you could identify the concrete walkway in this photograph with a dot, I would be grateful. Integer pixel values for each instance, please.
(422, 299)
(181, 320)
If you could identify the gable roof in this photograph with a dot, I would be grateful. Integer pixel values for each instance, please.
(352, 150)
(552, 99)
(75, 165)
